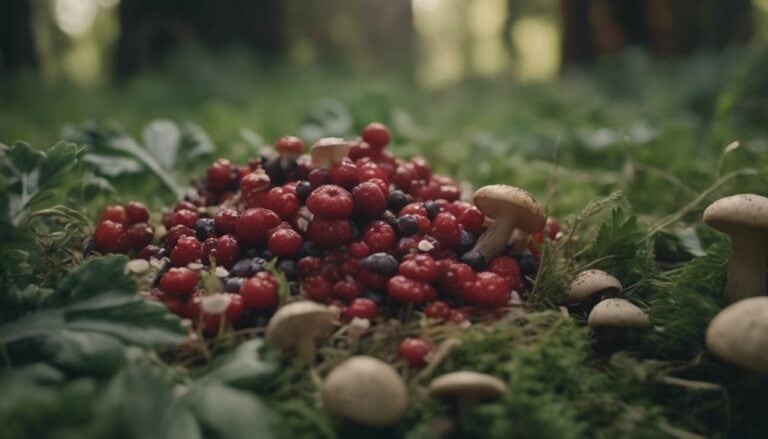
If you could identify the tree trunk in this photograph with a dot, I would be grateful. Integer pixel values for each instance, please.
(17, 39)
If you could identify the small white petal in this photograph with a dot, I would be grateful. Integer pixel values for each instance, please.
(221, 272)
(215, 303)
(137, 266)
(425, 245)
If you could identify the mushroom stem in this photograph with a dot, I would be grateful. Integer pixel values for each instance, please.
(746, 267)
(305, 349)
(494, 239)
(464, 405)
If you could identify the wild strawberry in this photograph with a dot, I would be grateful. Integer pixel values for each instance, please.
(446, 229)
(260, 293)
(109, 237)
(318, 288)
(472, 220)
(414, 351)
(457, 279)
(376, 135)
(188, 249)
(253, 224)
(361, 308)
(405, 177)
(420, 267)
(489, 290)
(184, 217)
(139, 235)
(380, 237)
(369, 200)
(348, 289)
(136, 212)
(116, 214)
(180, 281)
(284, 242)
(219, 175)
(330, 202)
(508, 268)
(329, 233)
(406, 290)
(344, 173)
(225, 221)
(176, 232)
(227, 249)
(437, 310)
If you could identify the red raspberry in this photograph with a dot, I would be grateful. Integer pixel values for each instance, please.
(361, 308)
(508, 268)
(184, 217)
(376, 135)
(225, 221)
(284, 242)
(370, 171)
(136, 212)
(405, 177)
(254, 182)
(414, 209)
(139, 235)
(188, 249)
(420, 267)
(176, 232)
(344, 173)
(372, 280)
(289, 146)
(318, 288)
(260, 292)
(458, 279)
(414, 351)
(330, 202)
(282, 201)
(446, 229)
(406, 290)
(109, 237)
(114, 213)
(437, 310)
(348, 289)
(329, 233)
(227, 250)
(369, 200)
(308, 266)
(472, 220)
(180, 281)
(219, 175)
(380, 237)
(318, 177)
(359, 249)
(253, 224)
(422, 167)
(490, 290)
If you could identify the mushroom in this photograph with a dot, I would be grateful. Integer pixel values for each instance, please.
(611, 318)
(739, 334)
(466, 389)
(329, 150)
(298, 325)
(366, 391)
(590, 284)
(519, 241)
(744, 218)
(511, 208)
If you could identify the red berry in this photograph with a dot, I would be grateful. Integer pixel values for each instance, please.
(456, 316)
(348, 289)
(405, 176)
(361, 308)
(260, 292)
(115, 213)
(437, 310)
(257, 181)
(420, 267)
(330, 202)
(372, 171)
(225, 221)
(344, 173)
(318, 288)
(219, 175)
(369, 200)
(284, 242)
(446, 229)
(149, 252)
(282, 201)
(422, 168)
(180, 281)
(109, 237)
(136, 212)
(329, 233)
(406, 290)
(139, 235)
(449, 192)
(184, 205)
(184, 217)
(318, 177)
(359, 249)
(414, 209)
(376, 135)
(188, 249)
(253, 224)
(407, 245)
(472, 220)
(508, 268)
(289, 146)
(227, 250)
(425, 225)
(308, 266)
(380, 237)
(372, 280)
(360, 150)
(174, 303)
(175, 233)
(489, 290)
(414, 351)
(458, 279)
(233, 313)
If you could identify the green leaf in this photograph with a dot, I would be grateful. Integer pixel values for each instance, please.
(85, 352)
(230, 413)
(161, 139)
(246, 367)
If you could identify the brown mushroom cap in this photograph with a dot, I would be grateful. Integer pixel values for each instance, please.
(329, 150)
(738, 212)
(499, 200)
(366, 391)
(466, 384)
(617, 313)
(739, 334)
(590, 282)
(296, 322)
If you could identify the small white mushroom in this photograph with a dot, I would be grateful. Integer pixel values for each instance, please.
(466, 389)
(298, 326)
(611, 318)
(365, 391)
(590, 283)
(744, 218)
(329, 150)
(511, 208)
(739, 334)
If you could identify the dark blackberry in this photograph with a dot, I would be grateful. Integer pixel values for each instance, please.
(204, 228)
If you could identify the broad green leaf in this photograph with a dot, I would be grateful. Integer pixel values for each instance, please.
(161, 139)
(129, 146)
(85, 352)
(23, 158)
(246, 367)
(230, 413)
(112, 166)
(195, 142)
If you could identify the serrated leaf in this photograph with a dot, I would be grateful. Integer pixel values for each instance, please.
(195, 141)
(161, 139)
(24, 158)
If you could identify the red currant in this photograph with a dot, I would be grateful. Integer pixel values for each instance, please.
(406, 290)
(136, 212)
(376, 135)
(329, 233)
(115, 213)
(188, 249)
(458, 279)
(284, 242)
(369, 200)
(437, 310)
(227, 250)
(253, 224)
(361, 308)
(282, 201)
(289, 146)
(175, 233)
(139, 235)
(348, 289)
(219, 175)
(414, 351)
(308, 266)
(380, 237)
(446, 229)
(259, 293)
(420, 267)
(359, 249)
(109, 237)
(184, 217)
(225, 221)
(344, 173)
(318, 288)
(180, 281)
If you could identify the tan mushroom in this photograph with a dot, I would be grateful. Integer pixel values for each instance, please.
(511, 208)
(739, 334)
(365, 391)
(466, 389)
(610, 320)
(744, 218)
(329, 150)
(591, 283)
(298, 326)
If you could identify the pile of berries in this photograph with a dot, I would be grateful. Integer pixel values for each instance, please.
(349, 225)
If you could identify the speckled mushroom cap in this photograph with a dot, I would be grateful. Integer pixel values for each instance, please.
(498, 200)
(739, 334)
(617, 313)
(296, 320)
(738, 212)
(329, 150)
(467, 384)
(366, 391)
(590, 282)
